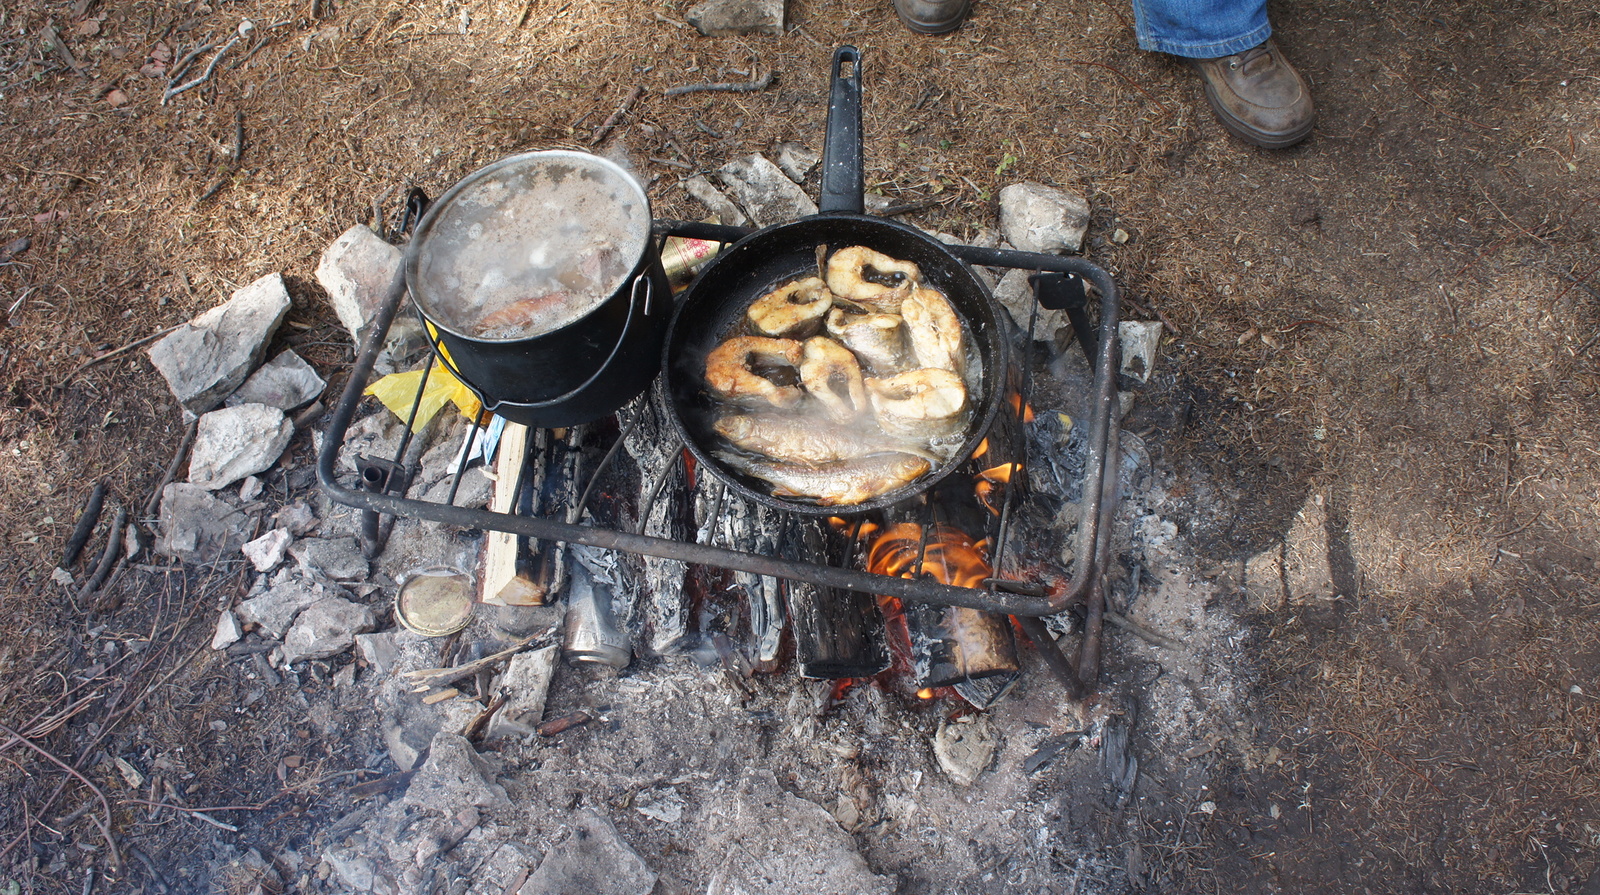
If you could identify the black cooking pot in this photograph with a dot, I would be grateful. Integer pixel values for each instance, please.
(714, 306)
(490, 252)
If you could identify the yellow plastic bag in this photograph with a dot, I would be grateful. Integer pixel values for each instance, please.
(398, 391)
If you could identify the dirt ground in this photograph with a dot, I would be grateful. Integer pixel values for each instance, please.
(1400, 315)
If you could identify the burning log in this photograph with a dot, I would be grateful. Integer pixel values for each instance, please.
(949, 645)
(756, 528)
(837, 633)
(659, 612)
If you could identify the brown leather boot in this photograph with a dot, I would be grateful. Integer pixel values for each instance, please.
(1258, 96)
(932, 16)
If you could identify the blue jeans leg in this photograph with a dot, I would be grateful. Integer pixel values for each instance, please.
(1200, 29)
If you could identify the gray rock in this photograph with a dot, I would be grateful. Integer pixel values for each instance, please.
(357, 270)
(285, 382)
(594, 860)
(797, 161)
(297, 518)
(715, 201)
(766, 194)
(250, 489)
(339, 559)
(454, 775)
(812, 855)
(276, 609)
(721, 18)
(268, 550)
(228, 630)
(965, 748)
(378, 651)
(197, 527)
(326, 628)
(1307, 571)
(352, 869)
(1039, 218)
(210, 356)
(235, 442)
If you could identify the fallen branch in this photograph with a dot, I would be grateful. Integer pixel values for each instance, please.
(85, 526)
(1132, 627)
(115, 352)
(246, 28)
(429, 678)
(758, 84)
(154, 503)
(60, 48)
(108, 556)
(604, 129)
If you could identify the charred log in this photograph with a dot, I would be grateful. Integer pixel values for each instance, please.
(837, 633)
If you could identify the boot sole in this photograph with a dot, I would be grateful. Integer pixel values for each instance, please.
(1249, 134)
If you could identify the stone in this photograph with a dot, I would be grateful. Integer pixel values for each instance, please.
(296, 518)
(268, 550)
(454, 776)
(357, 270)
(1039, 218)
(285, 382)
(723, 18)
(204, 360)
(351, 868)
(197, 527)
(594, 860)
(1307, 571)
(964, 748)
(525, 683)
(813, 854)
(274, 610)
(235, 442)
(339, 559)
(764, 192)
(378, 651)
(228, 630)
(715, 201)
(796, 161)
(326, 628)
(250, 489)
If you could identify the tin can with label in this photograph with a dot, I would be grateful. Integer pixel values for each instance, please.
(683, 257)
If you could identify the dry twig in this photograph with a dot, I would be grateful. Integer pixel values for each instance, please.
(604, 129)
(754, 86)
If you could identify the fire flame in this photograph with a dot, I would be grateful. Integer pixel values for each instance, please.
(1021, 408)
(950, 555)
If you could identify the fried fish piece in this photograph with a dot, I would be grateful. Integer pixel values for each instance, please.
(934, 330)
(877, 340)
(748, 370)
(794, 310)
(832, 375)
(925, 403)
(871, 278)
(842, 483)
(799, 439)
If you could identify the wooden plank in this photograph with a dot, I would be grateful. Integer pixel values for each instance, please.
(507, 577)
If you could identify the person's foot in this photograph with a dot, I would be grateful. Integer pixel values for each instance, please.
(1258, 96)
(932, 16)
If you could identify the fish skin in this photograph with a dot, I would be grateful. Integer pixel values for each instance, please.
(843, 483)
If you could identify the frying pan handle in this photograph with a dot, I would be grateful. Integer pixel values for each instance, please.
(843, 183)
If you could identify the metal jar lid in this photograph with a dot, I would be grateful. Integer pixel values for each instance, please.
(435, 602)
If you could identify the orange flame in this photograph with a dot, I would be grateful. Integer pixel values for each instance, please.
(925, 693)
(1022, 409)
(1001, 473)
(983, 448)
(950, 555)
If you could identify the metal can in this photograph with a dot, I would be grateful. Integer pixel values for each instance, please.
(434, 602)
(683, 257)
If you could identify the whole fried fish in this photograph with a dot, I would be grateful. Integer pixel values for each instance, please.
(800, 439)
(842, 483)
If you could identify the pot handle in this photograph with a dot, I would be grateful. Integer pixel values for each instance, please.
(843, 183)
(643, 280)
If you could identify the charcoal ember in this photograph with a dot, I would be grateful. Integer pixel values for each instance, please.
(653, 605)
(837, 633)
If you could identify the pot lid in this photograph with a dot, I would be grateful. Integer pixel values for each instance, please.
(528, 245)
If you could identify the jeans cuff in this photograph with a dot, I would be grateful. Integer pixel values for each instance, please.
(1207, 49)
